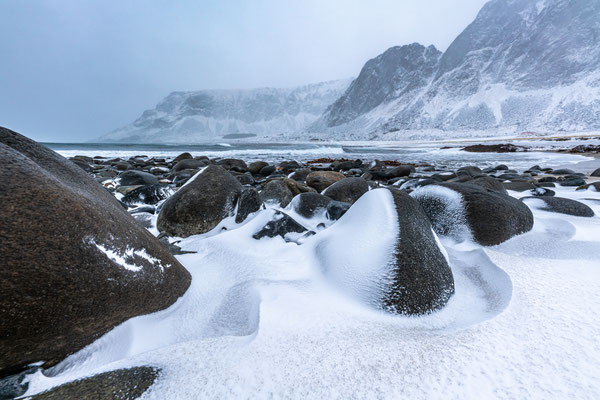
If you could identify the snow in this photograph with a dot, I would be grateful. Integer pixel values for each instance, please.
(270, 319)
(124, 259)
(357, 252)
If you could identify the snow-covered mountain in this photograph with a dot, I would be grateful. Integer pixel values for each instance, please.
(209, 115)
(521, 65)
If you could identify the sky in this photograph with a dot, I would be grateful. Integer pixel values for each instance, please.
(72, 70)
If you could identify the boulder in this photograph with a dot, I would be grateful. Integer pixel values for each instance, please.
(309, 205)
(74, 263)
(573, 181)
(540, 191)
(321, 180)
(464, 211)
(563, 171)
(276, 192)
(300, 174)
(182, 156)
(122, 384)
(256, 166)
(489, 183)
(150, 194)
(204, 201)
(248, 203)
(596, 173)
(132, 178)
(347, 190)
(404, 270)
(559, 205)
(267, 170)
(188, 164)
(233, 164)
(519, 186)
(282, 225)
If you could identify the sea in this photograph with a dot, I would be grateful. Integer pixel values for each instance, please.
(440, 154)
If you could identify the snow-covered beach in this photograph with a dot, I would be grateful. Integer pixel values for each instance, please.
(269, 318)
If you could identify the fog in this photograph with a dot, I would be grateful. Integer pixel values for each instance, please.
(72, 70)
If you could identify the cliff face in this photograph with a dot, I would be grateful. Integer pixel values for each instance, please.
(521, 65)
(207, 115)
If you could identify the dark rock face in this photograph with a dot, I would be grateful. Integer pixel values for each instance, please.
(491, 217)
(131, 178)
(248, 203)
(58, 223)
(404, 69)
(321, 180)
(122, 384)
(563, 206)
(276, 192)
(281, 225)
(423, 281)
(150, 194)
(201, 204)
(596, 173)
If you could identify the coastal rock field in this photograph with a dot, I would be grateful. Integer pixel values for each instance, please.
(203, 277)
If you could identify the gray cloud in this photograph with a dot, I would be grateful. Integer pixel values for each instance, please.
(74, 69)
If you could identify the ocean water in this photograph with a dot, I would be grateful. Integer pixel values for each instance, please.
(408, 152)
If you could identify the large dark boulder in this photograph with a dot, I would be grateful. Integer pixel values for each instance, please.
(132, 178)
(276, 192)
(248, 203)
(321, 180)
(491, 217)
(204, 201)
(74, 264)
(559, 205)
(384, 252)
(596, 173)
(347, 190)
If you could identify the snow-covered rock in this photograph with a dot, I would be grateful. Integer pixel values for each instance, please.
(209, 115)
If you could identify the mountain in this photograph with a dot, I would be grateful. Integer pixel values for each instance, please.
(208, 115)
(521, 65)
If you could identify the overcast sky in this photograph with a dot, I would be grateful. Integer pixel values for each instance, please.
(71, 70)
